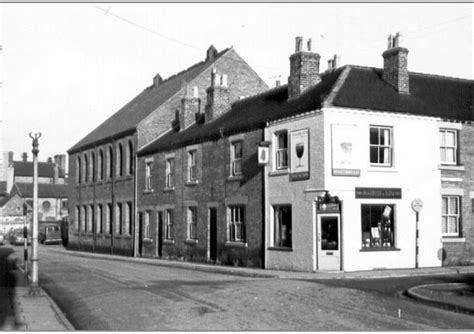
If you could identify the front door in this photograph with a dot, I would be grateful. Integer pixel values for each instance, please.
(329, 242)
(213, 234)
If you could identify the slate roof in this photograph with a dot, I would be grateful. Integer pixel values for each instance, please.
(45, 169)
(430, 95)
(247, 115)
(357, 87)
(45, 190)
(3, 187)
(128, 117)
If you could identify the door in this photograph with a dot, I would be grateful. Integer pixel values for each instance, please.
(329, 242)
(160, 233)
(140, 233)
(213, 234)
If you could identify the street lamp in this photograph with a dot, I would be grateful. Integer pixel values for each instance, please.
(34, 288)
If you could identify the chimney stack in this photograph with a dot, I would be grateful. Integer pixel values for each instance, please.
(50, 160)
(190, 106)
(157, 80)
(304, 69)
(211, 53)
(218, 96)
(395, 60)
(24, 157)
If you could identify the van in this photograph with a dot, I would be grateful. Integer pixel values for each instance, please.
(49, 234)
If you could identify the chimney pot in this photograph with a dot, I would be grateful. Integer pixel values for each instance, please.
(10, 156)
(50, 160)
(299, 44)
(277, 83)
(24, 157)
(309, 44)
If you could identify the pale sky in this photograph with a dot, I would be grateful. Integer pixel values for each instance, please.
(68, 67)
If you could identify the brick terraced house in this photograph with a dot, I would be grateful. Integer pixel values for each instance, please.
(102, 166)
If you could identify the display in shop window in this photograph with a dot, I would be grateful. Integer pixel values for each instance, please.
(378, 226)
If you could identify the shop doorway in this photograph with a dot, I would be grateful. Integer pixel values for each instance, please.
(329, 241)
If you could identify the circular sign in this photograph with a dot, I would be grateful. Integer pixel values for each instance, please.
(417, 205)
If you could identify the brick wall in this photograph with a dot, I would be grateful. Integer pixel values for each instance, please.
(459, 251)
(214, 189)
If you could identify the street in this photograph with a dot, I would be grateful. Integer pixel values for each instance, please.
(97, 294)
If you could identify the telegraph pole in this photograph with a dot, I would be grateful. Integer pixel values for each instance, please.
(34, 288)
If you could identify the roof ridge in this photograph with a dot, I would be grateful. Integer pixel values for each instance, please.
(327, 102)
(268, 91)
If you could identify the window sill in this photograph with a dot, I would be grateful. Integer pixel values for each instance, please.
(459, 168)
(148, 191)
(191, 183)
(452, 239)
(168, 242)
(379, 249)
(279, 172)
(236, 244)
(191, 241)
(382, 169)
(283, 249)
(168, 190)
(235, 178)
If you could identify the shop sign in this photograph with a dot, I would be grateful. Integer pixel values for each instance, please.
(345, 150)
(299, 155)
(394, 193)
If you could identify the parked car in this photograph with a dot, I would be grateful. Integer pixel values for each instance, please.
(17, 237)
(50, 234)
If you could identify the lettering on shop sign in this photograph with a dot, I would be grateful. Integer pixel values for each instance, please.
(378, 193)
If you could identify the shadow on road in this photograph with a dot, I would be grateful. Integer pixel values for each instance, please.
(9, 279)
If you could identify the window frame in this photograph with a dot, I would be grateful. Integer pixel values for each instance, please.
(445, 147)
(148, 170)
(281, 151)
(380, 146)
(448, 215)
(277, 240)
(192, 165)
(234, 160)
(169, 173)
(191, 222)
(380, 237)
(168, 226)
(234, 225)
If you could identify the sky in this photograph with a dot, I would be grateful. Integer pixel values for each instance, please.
(66, 68)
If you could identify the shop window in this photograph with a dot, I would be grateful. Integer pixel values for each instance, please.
(448, 146)
(169, 225)
(236, 158)
(236, 224)
(450, 216)
(381, 146)
(378, 226)
(170, 173)
(192, 222)
(281, 150)
(282, 226)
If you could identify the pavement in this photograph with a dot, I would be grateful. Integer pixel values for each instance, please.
(40, 312)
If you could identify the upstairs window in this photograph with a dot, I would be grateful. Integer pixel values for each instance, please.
(236, 158)
(281, 151)
(100, 163)
(192, 166)
(450, 216)
(170, 173)
(110, 164)
(129, 158)
(120, 160)
(148, 167)
(85, 168)
(381, 146)
(448, 146)
(78, 170)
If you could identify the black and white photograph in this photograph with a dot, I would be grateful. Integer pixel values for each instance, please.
(236, 166)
